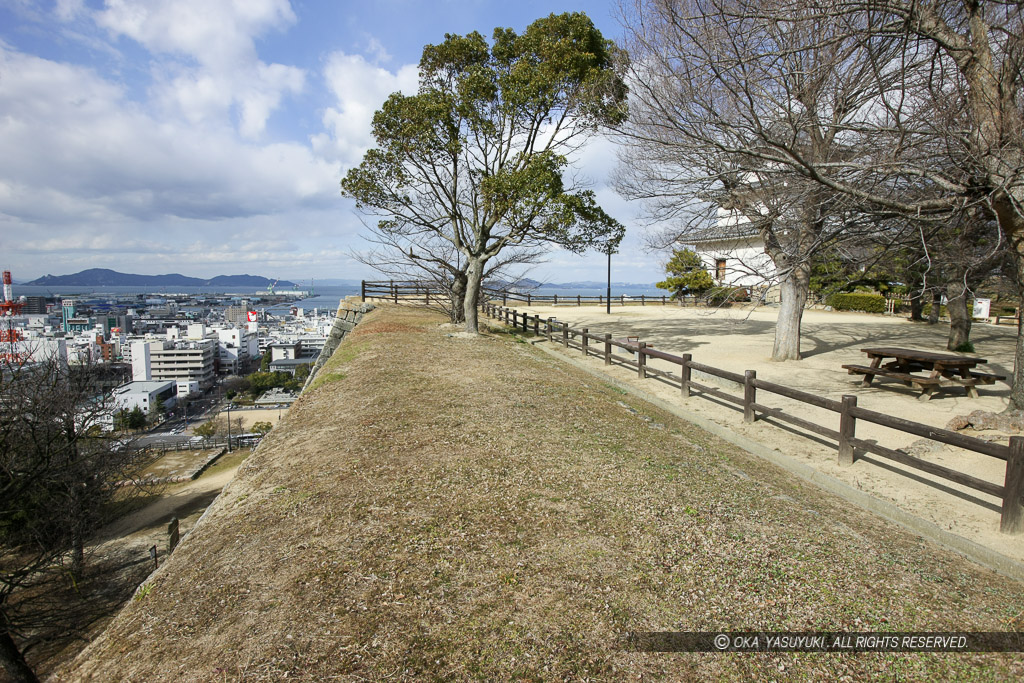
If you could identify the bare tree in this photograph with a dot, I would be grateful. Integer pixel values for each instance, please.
(58, 475)
(718, 87)
(435, 260)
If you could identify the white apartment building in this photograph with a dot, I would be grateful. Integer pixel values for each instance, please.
(191, 360)
(236, 348)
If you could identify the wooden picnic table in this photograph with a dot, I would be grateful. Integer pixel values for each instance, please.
(944, 370)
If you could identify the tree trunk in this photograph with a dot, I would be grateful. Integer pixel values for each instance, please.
(917, 305)
(933, 315)
(474, 274)
(1017, 387)
(457, 296)
(12, 662)
(959, 316)
(795, 289)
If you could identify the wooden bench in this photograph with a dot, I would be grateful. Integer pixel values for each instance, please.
(904, 377)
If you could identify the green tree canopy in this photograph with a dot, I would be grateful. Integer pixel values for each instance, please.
(477, 157)
(686, 275)
(206, 430)
(261, 427)
(136, 418)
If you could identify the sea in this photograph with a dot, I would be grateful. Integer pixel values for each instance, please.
(323, 298)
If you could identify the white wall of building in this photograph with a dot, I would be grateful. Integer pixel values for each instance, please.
(142, 366)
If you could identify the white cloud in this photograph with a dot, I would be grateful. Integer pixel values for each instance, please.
(360, 88)
(74, 145)
(210, 63)
(217, 33)
(67, 10)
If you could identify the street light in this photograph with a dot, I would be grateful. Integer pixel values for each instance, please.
(608, 300)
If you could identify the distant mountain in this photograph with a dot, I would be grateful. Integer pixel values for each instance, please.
(103, 277)
(526, 283)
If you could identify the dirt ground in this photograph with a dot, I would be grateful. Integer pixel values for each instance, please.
(738, 339)
(122, 547)
(249, 417)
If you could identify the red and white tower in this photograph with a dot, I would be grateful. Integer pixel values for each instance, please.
(9, 307)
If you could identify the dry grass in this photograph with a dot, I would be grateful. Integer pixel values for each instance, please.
(471, 509)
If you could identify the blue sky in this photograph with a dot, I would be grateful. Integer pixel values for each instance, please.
(209, 136)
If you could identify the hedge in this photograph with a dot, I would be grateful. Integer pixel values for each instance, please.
(718, 296)
(869, 303)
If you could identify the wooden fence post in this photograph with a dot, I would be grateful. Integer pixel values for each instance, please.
(662, 299)
(749, 396)
(173, 535)
(684, 386)
(847, 429)
(551, 326)
(607, 349)
(536, 325)
(578, 300)
(622, 299)
(394, 291)
(362, 291)
(556, 299)
(643, 300)
(585, 342)
(641, 360)
(528, 299)
(504, 298)
(565, 335)
(1012, 519)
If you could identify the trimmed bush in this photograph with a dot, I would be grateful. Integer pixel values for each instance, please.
(719, 296)
(869, 303)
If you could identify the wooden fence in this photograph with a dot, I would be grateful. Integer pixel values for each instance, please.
(162, 447)
(415, 291)
(847, 410)
(396, 290)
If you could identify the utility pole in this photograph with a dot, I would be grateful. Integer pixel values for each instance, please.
(608, 298)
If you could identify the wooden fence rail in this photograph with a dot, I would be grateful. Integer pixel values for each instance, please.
(1011, 492)
(412, 290)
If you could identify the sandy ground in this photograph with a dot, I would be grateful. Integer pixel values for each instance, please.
(271, 415)
(249, 416)
(739, 339)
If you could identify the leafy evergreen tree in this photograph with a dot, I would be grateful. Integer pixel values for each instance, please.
(686, 275)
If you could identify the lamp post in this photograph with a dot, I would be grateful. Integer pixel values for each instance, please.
(608, 298)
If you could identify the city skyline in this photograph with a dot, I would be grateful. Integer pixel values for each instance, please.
(205, 137)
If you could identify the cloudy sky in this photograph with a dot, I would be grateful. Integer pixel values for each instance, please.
(209, 136)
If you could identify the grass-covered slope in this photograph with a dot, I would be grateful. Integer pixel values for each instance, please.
(443, 507)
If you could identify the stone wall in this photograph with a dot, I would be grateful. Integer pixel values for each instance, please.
(349, 314)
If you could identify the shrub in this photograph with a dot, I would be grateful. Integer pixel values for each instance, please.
(719, 296)
(869, 303)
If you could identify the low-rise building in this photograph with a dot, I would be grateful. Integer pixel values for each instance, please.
(144, 395)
